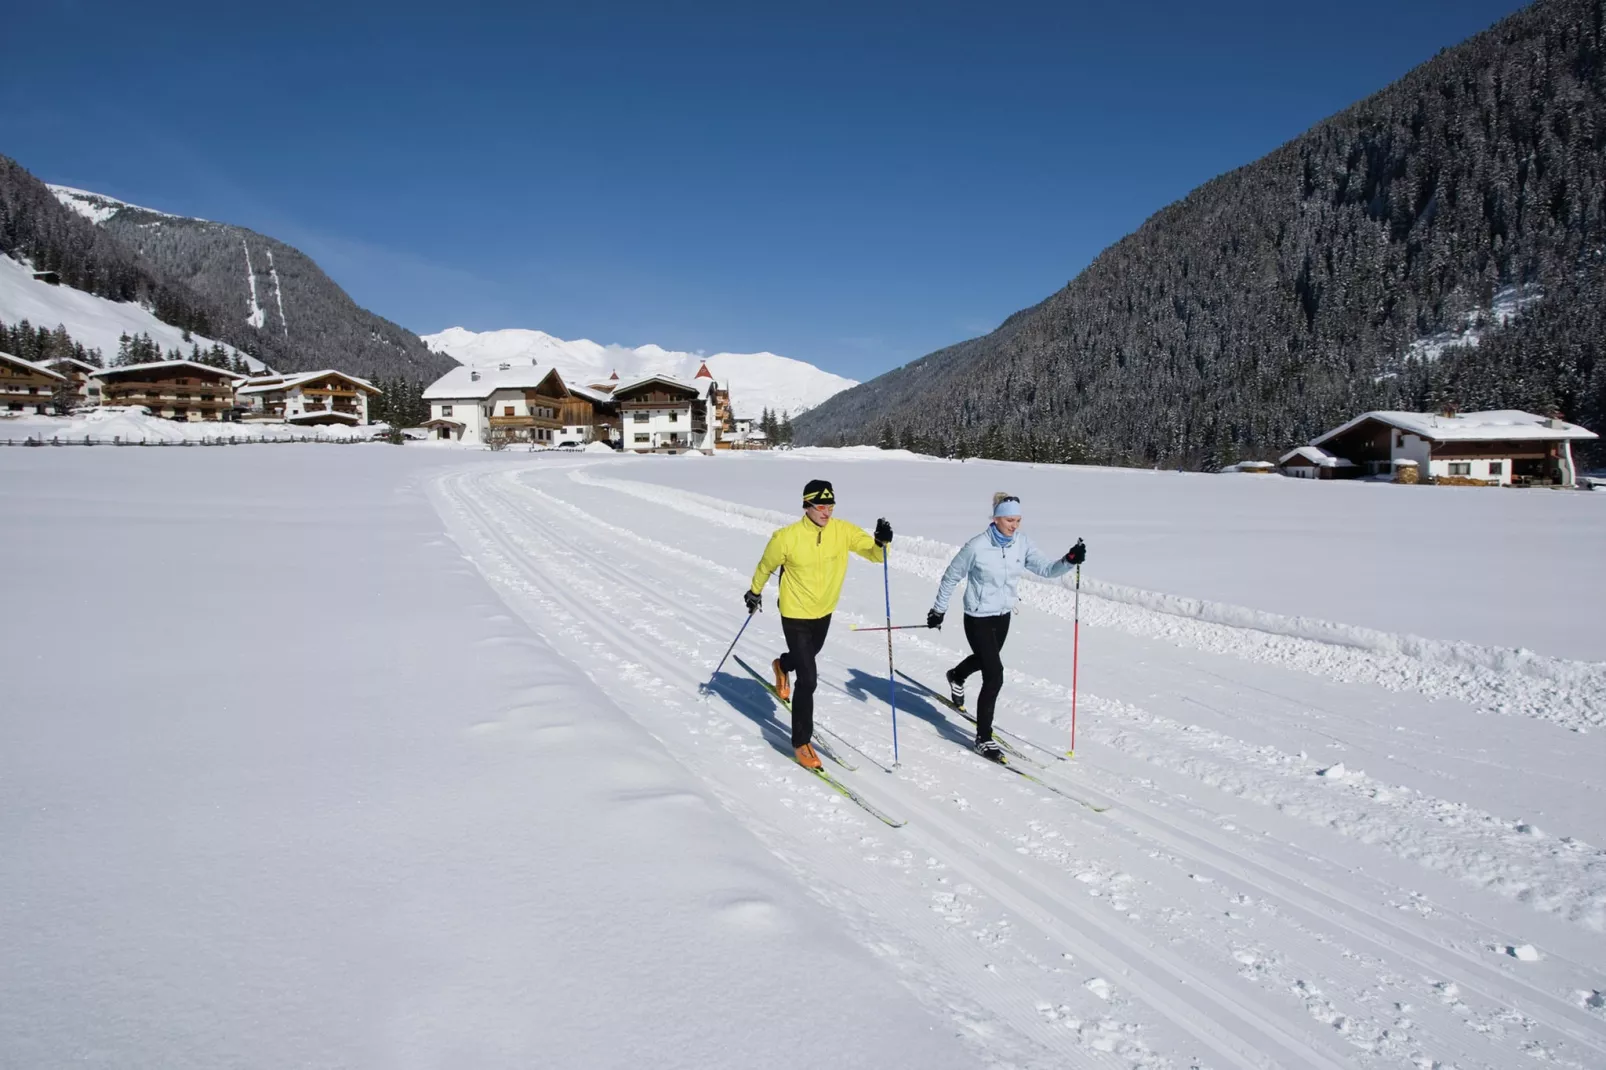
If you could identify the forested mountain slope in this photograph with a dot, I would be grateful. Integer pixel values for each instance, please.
(1464, 204)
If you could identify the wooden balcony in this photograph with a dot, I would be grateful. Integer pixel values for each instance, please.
(218, 385)
(167, 401)
(525, 421)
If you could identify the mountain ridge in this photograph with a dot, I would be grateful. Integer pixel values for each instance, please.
(248, 290)
(757, 381)
(1285, 295)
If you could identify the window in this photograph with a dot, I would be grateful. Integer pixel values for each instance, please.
(674, 417)
(1460, 468)
(639, 438)
(640, 417)
(507, 410)
(487, 412)
(1399, 441)
(1497, 468)
(446, 410)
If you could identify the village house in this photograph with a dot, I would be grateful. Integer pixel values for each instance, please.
(661, 414)
(603, 425)
(26, 386)
(1502, 447)
(307, 398)
(512, 403)
(176, 389)
(80, 373)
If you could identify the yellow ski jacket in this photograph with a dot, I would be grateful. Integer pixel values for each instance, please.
(813, 561)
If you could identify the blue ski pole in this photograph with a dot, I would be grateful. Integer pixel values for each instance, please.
(702, 689)
(892, 688)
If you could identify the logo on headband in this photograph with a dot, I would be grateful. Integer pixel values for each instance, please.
(818, 492)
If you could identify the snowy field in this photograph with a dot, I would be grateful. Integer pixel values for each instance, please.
(390, 757)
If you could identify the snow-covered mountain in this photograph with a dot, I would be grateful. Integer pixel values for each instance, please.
(245, 289)
(97, 207)
(94, 322)
(757, 381)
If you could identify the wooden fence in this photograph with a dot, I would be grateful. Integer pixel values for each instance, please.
(117, 440)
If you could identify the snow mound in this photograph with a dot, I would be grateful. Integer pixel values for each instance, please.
(597, 447)
(135, 425)
(1524, 953)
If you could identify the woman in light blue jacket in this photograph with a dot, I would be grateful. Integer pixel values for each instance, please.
(991, 565)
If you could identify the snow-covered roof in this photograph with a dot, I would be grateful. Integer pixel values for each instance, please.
(1494, 425)
(1317, 456)
(271, 384)
(591, 393)
(466, 382)
(641, 380)
(173, 364)
(40, 368)
(74, 361)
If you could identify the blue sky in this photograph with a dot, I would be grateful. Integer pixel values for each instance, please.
(854, 185)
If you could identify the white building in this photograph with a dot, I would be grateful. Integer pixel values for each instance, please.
(662, 414)
(527, 403)
(1502, 446)
(325, 397)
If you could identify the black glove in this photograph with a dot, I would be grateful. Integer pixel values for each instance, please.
(754, 600)
(1077, 554)
(883, 532)
(933, 619)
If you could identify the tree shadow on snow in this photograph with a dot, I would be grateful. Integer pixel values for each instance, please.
(752, 700)
(911, 700)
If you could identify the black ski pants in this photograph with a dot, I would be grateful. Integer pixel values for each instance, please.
(804, 638)
(986, 636)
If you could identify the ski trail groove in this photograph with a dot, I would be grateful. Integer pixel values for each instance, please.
(1238, 1030)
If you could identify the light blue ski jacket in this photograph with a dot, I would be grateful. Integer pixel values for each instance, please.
(992, 572)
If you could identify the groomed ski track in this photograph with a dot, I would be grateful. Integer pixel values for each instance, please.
(1233, 909)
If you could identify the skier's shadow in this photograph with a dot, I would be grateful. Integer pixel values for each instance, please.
(752, 700)
(911, 700)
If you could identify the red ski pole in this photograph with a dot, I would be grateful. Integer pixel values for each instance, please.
(1076, 649)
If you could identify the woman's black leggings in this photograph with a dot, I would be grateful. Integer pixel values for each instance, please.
(804, 638)
(986, 635)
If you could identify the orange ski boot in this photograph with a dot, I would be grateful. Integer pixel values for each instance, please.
(783, 686)
(807, 758)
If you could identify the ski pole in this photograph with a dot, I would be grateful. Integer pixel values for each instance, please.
(892, 687)
(1076, 649)
(888, 628)
(702, 689)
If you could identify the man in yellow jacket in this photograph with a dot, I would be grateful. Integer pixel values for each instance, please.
(813, 558)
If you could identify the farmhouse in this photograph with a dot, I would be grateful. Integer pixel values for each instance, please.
(176, 389)
(510, 403)
(78, 373)
(661, 414)
(324, 397)
(1502, 446)
(26, 386)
